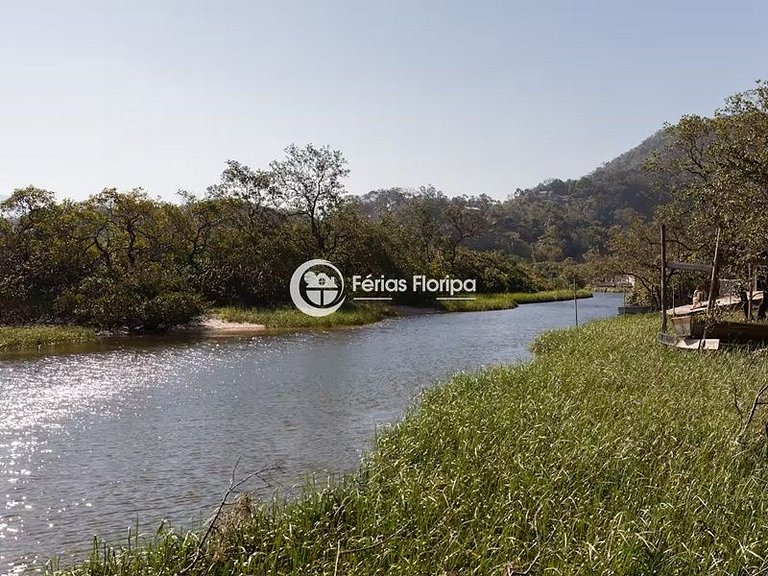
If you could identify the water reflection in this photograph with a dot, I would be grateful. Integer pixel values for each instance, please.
(94, 442)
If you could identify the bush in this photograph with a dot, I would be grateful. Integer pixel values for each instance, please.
(494, 272)
(152, 302)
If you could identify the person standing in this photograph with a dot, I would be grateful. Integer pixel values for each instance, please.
(698, 297)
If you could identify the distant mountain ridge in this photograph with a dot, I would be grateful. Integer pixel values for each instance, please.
(635, 158)
(622, 183)
(560, 219)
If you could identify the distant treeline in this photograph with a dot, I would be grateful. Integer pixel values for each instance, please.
(123, 259)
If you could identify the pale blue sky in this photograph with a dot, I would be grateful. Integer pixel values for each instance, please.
(473, 96)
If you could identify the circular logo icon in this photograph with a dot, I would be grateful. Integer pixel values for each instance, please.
(317, 288)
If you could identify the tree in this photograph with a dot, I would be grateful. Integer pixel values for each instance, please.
(719, 169)
(40, 255)
(635, 250)
(243, 241)
(250, 187)
(464, 221)
(308, 183)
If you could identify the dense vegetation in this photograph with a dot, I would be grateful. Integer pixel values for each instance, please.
(608, 454)
(125, 259)
(560, 219)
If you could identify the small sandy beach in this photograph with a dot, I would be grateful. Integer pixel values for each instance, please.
(213, 324)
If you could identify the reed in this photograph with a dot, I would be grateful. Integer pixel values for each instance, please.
(506, 300)
(481, 303)
(549, 296)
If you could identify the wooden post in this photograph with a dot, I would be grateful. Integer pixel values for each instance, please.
(673, 300)
(751, 292)
(713, 277)
(663, 278)
(575, 302)
(712, 280)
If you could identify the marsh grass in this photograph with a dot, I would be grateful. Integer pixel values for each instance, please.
(366, 313)
(13, 338)
(549, 296)
(481, 303)
(608, 454)
(278, 318)
(506, 300)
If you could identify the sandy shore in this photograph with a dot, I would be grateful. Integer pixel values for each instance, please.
(217, 325)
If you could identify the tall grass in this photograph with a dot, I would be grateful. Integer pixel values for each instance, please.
(14, 338)
(354, 315)
(481, 303)
(608, 454)
(505, 300)
(549, 296)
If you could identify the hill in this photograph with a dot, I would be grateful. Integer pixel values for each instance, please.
(565, 218)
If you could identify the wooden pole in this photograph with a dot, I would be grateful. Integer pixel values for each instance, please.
(712, 280)
(663, 278)
(673, 300)
(575, 302)
(713, 277)
(751, 291)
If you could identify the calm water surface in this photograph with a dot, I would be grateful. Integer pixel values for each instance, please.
(96, 442)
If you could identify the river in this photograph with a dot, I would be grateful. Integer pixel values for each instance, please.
(102, 440)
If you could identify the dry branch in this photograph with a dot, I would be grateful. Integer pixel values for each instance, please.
(234, 484)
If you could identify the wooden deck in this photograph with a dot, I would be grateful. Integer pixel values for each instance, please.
(730, 301)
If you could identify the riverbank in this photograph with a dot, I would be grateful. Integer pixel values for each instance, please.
(290, 318)
(39, 336)
(221, 321)
(359, 314)
(232, 320)
(606, 454)
(504, 301)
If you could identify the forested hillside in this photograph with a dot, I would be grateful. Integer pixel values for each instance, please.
(565, 218)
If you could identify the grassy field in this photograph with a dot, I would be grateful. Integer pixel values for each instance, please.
(354, 315)
(608, 454)
(503, 301)
(14, 338)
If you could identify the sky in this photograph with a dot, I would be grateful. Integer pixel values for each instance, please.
(473, 97)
